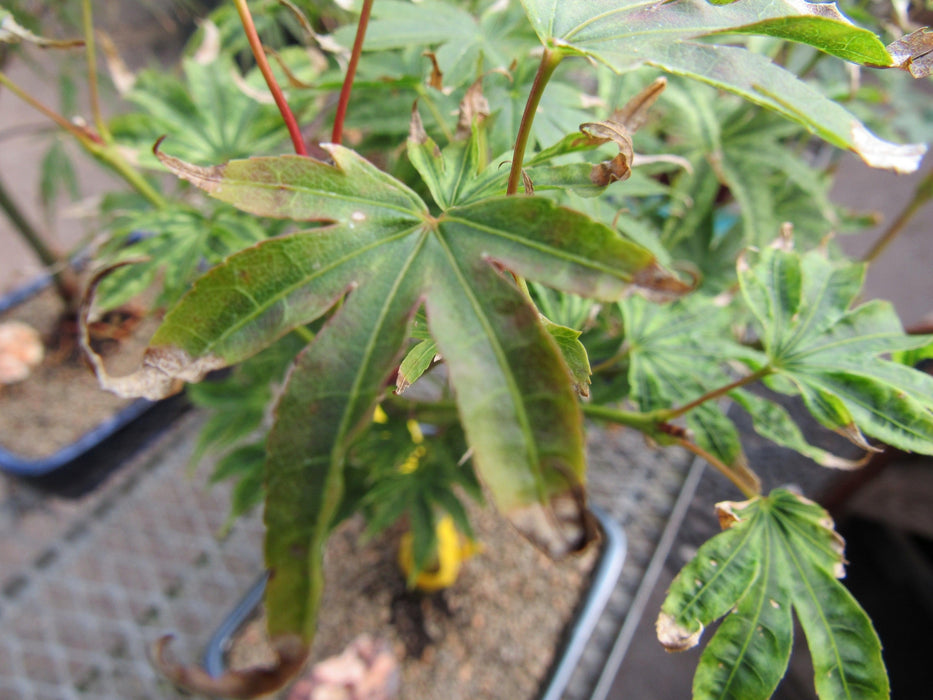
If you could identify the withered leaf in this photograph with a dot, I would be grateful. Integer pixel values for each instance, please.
(619, 129)
(914, 52)
(164, 370)
(11, 32)
(635, 112)
(473, 107)
(436, 79)
(527, 183)
(247, 683)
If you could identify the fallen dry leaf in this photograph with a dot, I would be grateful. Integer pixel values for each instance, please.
(365, 670)
(21, 350)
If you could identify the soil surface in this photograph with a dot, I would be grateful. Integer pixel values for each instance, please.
(492, 635)
(61, 399)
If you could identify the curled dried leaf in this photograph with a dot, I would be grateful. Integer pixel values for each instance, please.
(635, 112)
(11, 32)
(248, 683)
(121, 75)
(527, 184)
(164, 370)
(726, 512)
(618, 168)
(474, 107)
(436, 79)
(619, 129)
(21, 350)
(674, 637)
(914, 52)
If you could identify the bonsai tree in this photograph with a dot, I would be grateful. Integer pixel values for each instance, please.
(494, 261)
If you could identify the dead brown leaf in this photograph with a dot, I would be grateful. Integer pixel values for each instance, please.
(248, 683)
(436, 80)
(914, 52)
(474, 107)
(619, 129)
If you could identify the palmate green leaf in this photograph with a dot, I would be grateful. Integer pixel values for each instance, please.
(830, 352)
(458, 174)
(171, 244)
(778, 553)
(236, 405)
(207, 117)
(773, 422)
(414, 476)
(464, 45)
(675, 354)
(384, 255)
(626, 34)
(741, 150)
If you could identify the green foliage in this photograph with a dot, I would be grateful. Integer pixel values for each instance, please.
(410, 476)
(779, 553)
(745, 151)
(830, 352)
(628, 34)
(171, 245)
(206, 118)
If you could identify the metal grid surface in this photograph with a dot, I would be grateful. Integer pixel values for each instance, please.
(640, 488)
(87, 585)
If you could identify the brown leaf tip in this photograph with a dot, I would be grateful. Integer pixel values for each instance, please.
(164, 368)
(474, 108)
(914, 52)
(658, 284)
(248, 683)
(727, 512)
(673, 636)
(416, 132)
(207, 179)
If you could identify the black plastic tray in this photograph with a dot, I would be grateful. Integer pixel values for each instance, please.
(602, 582)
